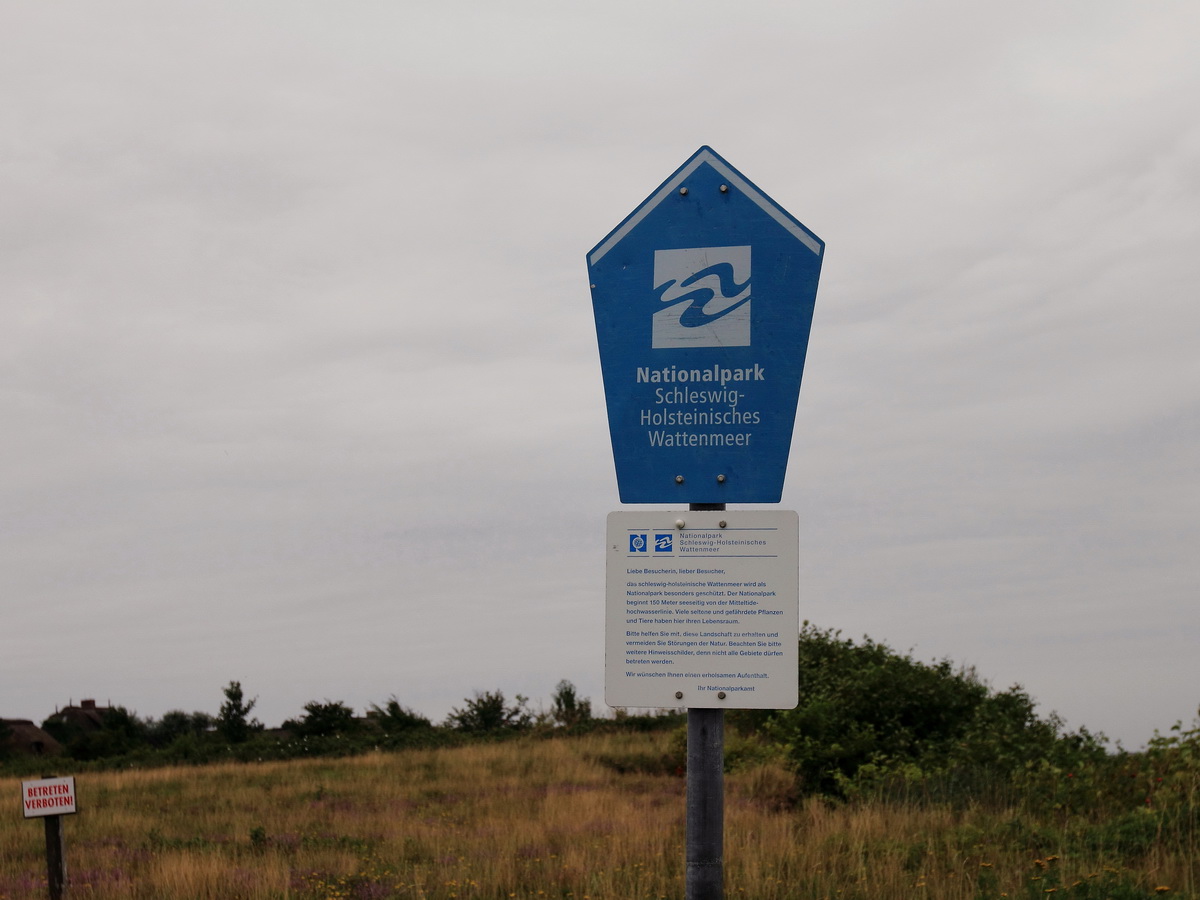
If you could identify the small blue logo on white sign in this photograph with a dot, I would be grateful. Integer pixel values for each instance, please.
(663, 543)
(705, 292)
(637, 543)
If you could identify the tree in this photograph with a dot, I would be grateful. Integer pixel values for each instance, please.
(324, 719)
(393, 718)
(120, 732)
(232, 720)
(567, 708)
(488, 712)
(176, 724)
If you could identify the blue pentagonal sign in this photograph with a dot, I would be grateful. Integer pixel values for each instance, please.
(704, 298)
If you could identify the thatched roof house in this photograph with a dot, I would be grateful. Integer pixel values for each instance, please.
(85, 717)
(23, 737)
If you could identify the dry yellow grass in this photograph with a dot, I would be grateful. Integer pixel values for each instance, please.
(528, 819)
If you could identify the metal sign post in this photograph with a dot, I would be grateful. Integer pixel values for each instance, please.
(704, 876)
(703, 298)
(705, 804)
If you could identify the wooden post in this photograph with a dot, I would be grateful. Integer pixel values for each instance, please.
(56, 858)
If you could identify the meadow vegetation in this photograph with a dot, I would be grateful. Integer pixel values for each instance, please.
(894, 778)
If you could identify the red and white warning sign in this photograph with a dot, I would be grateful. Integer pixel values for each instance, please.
(48, 797)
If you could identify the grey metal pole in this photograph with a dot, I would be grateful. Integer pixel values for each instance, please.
(705, 878)
(706, 805)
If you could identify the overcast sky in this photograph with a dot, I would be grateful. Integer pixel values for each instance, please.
(298, 371)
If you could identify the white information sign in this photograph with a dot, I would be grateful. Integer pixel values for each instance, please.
(48, 797)
(702, 609)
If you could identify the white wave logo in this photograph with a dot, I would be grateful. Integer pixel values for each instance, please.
(705, 294)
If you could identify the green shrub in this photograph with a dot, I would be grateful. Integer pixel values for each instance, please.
(872, 719)
(323, 719)
(394, 719)
(489, 712)
(567, 708)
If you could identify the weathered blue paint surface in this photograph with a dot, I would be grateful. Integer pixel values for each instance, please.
(703, 298)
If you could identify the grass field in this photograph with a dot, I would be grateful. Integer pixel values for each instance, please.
(600, 816)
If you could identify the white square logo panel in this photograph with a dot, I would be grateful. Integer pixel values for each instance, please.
(704, 293)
